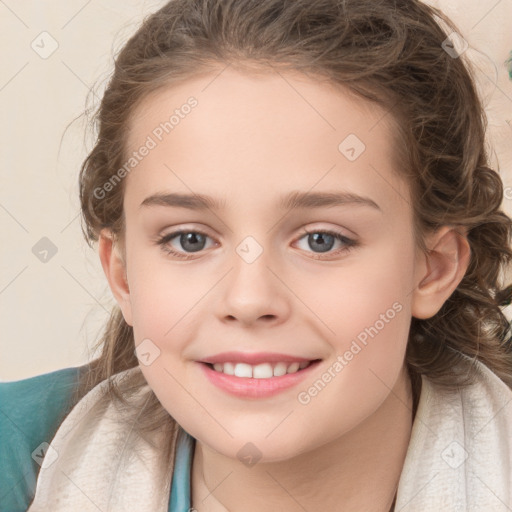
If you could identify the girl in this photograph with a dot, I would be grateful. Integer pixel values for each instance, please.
(336, 340)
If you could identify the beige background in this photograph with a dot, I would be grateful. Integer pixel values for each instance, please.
(52, 311)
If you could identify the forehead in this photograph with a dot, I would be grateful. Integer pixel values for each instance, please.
(275, 131)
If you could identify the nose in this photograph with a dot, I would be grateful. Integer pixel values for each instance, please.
(253, 292)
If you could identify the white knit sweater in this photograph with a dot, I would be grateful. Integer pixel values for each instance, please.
(459, 457)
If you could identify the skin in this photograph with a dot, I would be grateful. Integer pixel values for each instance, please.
(250, 140)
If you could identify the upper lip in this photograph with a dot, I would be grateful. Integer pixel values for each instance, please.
(254, 358)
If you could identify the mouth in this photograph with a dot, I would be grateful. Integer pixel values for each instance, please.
(264, 370)
(259, 381)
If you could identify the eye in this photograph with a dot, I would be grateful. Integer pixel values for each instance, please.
(192, 241)
(324, 241)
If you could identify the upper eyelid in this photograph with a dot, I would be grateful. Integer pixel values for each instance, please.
(305, 231)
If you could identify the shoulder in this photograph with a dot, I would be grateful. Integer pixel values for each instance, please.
(460, 446)
(487, 413)
(488, 400)
(482, 409)
(485, 397)
(31, 411)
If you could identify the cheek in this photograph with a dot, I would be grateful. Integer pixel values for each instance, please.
(368, 313)
(161, 293)
(375, 284)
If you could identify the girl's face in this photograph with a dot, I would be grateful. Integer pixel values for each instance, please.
(262, 160)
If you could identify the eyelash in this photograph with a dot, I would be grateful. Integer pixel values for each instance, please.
(165, 239)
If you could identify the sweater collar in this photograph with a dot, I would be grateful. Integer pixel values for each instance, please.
(449, 426)
(180, 488)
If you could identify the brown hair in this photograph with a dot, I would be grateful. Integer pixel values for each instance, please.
(388, 52)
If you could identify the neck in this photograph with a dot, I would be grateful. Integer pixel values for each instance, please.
(357, 471)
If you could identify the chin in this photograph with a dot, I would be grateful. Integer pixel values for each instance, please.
(251, 449)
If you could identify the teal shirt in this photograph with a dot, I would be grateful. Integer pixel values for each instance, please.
(31, 411)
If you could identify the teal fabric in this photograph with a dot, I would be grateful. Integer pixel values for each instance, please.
(31, 411)
(180, 488)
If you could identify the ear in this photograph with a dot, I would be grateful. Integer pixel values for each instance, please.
(440, 271)
(114, 267)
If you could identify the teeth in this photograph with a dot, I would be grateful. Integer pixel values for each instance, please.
(229, 368)
(243, 370)
(294, 367)
(259, 371)
(280, 369)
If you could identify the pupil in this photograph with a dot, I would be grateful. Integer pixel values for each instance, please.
(323, 240)
(320, 238)
(192, 238)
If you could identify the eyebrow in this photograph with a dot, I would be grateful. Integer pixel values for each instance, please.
(294, 200)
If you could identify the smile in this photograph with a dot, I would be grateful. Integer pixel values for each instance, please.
(258, 381)
(259, 371)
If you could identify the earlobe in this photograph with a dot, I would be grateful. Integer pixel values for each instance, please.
(440, 271)
(114, 268)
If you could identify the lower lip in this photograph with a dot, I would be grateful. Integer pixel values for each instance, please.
(256, 388)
